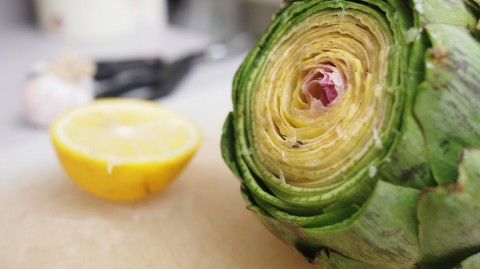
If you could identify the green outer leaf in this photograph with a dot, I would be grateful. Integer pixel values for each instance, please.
(408, 164)
(383, 234)
(286, 231)
(472, 262)
(452, 12)
(327, 218)
(227, 145)
(447, 104)
(449, 217)
(329, 259)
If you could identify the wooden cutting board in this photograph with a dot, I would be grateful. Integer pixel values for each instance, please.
(200, 221)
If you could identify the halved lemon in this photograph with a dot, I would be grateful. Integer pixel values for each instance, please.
(123, 149)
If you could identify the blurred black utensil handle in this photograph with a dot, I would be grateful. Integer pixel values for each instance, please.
(153, 76)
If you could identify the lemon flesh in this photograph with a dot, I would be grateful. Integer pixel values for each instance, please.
(123, 149)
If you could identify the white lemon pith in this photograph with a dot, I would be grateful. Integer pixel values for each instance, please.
(123, 149)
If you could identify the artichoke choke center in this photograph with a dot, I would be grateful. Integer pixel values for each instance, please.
(322, 85)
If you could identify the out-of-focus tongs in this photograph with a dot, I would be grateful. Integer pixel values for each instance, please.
(154, 76)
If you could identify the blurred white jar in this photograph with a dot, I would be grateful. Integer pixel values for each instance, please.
(221, 19)
(99, 19)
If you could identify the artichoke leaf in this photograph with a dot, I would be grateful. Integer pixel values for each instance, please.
(446, 12)
(227, 145)
(329, 259)
(382, 234)
(449, 217)
(408, 163)
(472, 262)
(447, 106)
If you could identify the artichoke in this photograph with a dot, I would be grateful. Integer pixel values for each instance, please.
(355, 132)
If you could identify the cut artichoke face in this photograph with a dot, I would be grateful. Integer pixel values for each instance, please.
(324, 104)
(300, 137)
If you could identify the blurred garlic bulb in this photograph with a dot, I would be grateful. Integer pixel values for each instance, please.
(57, 86)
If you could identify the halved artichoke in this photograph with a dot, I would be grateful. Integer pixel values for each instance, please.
(356, 132)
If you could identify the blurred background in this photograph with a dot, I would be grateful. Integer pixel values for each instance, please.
(102, 19)
(153, 49)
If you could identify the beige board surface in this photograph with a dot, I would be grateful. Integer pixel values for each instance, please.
(199, 221)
